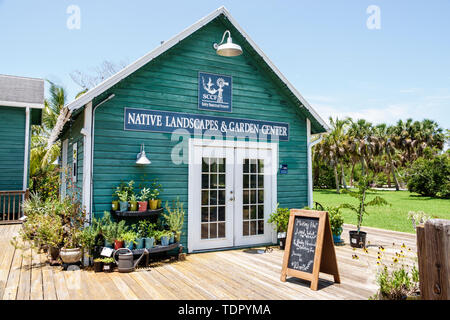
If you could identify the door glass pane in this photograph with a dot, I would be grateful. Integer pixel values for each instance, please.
(213, 198)
(253, 197)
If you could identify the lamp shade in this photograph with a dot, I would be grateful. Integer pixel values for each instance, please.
(229, 49)
(142, 158)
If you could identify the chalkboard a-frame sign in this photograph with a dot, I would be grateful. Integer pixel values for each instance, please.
(309, 247)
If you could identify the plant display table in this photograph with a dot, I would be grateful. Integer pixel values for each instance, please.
(138, 214)
(159, 249)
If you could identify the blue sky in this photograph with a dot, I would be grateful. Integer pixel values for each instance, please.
(323, 47)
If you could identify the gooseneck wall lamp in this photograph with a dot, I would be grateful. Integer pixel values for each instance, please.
(142, 158)
(228, 49)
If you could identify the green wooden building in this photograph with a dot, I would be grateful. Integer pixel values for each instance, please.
(229, 135)
(21, 103)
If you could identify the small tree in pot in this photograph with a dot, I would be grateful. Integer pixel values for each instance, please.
(175, 218)
(358, 237)
(280, 218)
(336, 222)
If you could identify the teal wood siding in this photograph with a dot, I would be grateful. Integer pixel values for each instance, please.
(73, 134)
(170, 83)
(12, 147)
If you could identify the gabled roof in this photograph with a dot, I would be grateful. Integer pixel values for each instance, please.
(21, 92)
(321, 126)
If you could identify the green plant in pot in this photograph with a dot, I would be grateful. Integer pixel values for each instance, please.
(156, 189)
(141, 230)
(163, 236)
(143, 199)
(151, 232)
(98, 265)
(175, 218)
(108, 264)
(336, 222)
(358, 237)
(280, 218)
(133, 202)
(129, 237)
(113, 232)
(115, 202)
(123, 198)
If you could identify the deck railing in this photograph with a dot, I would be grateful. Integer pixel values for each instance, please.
(11, 205)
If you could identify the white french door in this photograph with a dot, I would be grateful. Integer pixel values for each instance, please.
(232, 190)
(253, 204)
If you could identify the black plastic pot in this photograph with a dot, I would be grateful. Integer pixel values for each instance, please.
(108, 267)
(357, 239)
(98, 266)
(282, 243)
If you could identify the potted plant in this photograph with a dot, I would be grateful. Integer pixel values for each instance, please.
(358, 237)
(115, 201)
(336, 222)
(141, 233)
(74, 219)
(143, 199)
(129, 237)
(150, 239)
(123, 198)
(155, 203)
(108, 264)
(98, 265)
(280, 218)
(113, 232)
(133, 202)
(175, 219)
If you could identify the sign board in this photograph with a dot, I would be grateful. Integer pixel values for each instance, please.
(309, 247)
(107, 252)
(214, 92)
(163, 121)
(283, 168)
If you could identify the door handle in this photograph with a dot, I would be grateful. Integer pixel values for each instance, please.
(232, 199)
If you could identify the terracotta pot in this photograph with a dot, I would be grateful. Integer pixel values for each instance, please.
(133, 205)
(70, 255)
(143, 206)
(115, 205)
(118, 244)
(153, 204)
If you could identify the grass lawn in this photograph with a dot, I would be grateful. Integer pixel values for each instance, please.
(394, 217)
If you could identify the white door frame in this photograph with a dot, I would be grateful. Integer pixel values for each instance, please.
(228, 144)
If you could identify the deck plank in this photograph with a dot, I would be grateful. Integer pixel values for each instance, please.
(232, 274)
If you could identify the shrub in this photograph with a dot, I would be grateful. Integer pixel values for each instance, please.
(430, 177)
(280, 217)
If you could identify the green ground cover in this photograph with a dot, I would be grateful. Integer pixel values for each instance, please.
(394, 217)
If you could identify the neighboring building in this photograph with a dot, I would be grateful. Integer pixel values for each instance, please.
(173, 100)
(21, 103)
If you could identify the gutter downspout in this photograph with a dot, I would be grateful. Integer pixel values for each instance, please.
(309, 159)
(27, 149)
(88, 131)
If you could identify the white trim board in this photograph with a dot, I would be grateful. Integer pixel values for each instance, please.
(21, 104)
(108, 83)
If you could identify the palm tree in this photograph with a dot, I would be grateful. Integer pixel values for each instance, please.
(387, 147)
(331, 149)
(43, 154)
(361, 142)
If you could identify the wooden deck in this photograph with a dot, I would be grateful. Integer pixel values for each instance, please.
(234, 274)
